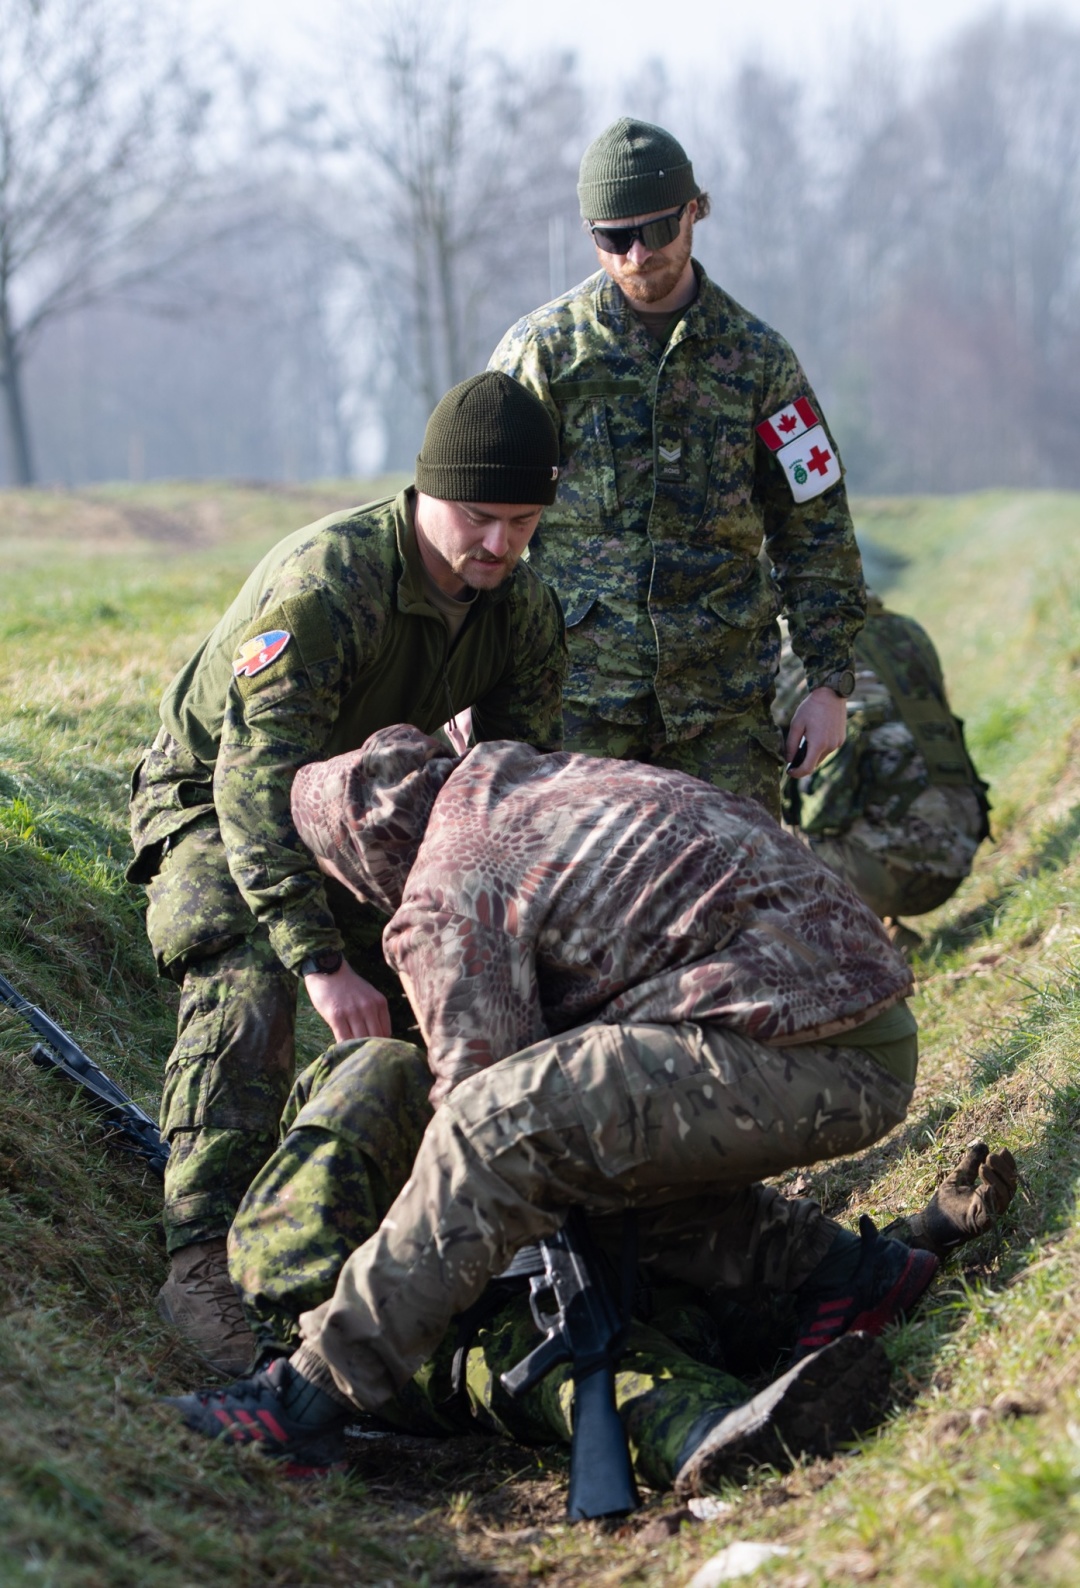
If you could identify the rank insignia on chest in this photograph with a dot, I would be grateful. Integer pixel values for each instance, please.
(669, 453)
(797, 437)
(258, 653)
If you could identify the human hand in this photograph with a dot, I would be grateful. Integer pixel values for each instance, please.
(351, 1006)
(821, 720)
(968, 1201)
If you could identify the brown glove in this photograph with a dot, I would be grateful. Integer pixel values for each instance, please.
(967, 1203)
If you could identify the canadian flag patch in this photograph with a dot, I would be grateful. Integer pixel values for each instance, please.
(803, 450)
(258, 653)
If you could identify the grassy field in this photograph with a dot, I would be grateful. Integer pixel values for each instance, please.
(975, 1478)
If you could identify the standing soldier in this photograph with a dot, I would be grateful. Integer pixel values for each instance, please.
(900, 811)
(410, 609)
(688, 432)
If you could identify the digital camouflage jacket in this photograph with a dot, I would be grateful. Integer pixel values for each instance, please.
(665, 493)
(549, 891)
(364, 649)
(903, 782)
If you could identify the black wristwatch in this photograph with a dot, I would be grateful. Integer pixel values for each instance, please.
(841, 683)
(324, 963)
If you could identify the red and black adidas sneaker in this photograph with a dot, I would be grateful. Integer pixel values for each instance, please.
(278, 1409)
(887, 1282)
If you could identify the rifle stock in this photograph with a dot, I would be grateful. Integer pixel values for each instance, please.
(587, 1330)
(58, 1051)
(601, 1478)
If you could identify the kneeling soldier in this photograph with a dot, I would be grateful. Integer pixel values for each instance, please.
(415, 609)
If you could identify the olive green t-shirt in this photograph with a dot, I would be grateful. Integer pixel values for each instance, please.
(452, 611)
(890, 1038)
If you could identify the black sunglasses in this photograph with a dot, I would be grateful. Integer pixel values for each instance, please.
(650, 234)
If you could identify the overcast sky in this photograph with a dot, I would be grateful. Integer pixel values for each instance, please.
(613, 37)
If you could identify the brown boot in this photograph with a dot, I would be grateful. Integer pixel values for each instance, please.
(200, 1300)
(901, 936)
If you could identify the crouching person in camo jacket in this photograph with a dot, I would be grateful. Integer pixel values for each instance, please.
(635, 991)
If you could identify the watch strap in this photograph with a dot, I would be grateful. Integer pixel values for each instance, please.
(324, 963)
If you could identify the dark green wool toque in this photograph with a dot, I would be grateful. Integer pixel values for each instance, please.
(489, 440)
(633, 168)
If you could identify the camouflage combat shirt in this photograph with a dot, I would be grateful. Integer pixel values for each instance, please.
(365, 649)
(550, 891)
(665, 494)
(906, 790)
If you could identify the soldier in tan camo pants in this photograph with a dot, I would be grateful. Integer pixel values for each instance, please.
(634, 990)
(664, 1118)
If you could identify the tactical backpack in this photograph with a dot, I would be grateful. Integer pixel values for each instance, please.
(900, 653)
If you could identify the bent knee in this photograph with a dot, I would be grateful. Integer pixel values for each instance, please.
(368, 1090)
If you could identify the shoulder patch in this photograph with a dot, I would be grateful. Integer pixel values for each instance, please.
(787, 425)
(797, 437)
(257, 653)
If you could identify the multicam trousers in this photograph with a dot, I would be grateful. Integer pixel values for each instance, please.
(679, 1121)
(350, 1131)
(741, 754)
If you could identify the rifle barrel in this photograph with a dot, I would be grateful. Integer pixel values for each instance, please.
(62, 1052)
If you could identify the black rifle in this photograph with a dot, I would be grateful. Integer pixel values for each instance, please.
(60, 1052)
(587, 1330)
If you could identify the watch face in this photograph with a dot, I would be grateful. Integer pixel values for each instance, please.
(844, 683)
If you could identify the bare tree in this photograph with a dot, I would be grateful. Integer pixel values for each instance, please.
(447, 173)
(99, 125)
(957, 227)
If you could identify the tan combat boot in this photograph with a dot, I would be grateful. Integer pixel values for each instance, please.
(200, 1300)
(901, 936)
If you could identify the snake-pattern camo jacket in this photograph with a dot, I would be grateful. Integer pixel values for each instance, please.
(552, 890)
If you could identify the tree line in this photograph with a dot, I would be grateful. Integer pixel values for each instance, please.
(209, 268)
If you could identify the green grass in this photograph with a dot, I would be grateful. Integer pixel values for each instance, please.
(975, 1478)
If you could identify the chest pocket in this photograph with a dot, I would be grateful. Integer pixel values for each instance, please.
(588, 489)
(727, 507)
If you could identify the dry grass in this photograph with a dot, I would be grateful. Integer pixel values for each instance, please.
(974, 1480)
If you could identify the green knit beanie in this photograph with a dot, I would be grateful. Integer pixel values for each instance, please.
(489, 440)
(633, 168)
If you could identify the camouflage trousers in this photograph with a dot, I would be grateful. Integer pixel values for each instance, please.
(228, 1076)
(741, 754)
(665, 1397)
(350, 1131)
(679, 1121)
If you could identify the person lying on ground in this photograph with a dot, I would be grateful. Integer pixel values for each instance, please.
(350, 1131)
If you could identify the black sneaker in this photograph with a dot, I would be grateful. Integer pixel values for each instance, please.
(821, 1403)
(278, 1409)
(888, 1281)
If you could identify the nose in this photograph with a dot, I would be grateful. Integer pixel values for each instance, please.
(496, 539)
(638, 252)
